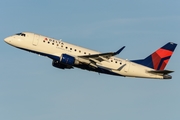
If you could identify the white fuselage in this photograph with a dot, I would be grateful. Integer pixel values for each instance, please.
(48, 46)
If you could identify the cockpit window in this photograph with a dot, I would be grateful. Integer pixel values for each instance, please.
(21, 34)
(18, 34)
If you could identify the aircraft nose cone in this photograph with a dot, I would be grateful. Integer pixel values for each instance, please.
(7, 40)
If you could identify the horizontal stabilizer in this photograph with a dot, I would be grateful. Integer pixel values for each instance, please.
(164, 72)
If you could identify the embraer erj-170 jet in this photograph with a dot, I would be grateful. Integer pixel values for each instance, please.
(67, 56)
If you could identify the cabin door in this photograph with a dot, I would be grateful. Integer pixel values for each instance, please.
(36, 40)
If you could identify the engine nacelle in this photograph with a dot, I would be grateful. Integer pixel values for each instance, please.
(68, 60)
(57, 64)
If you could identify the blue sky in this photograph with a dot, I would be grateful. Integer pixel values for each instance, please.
(31, 89)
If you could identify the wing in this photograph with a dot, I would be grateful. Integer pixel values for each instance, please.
(101, 57)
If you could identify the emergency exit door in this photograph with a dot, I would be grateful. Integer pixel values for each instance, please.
(126, 69)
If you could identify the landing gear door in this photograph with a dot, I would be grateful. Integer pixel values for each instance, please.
(36, 40)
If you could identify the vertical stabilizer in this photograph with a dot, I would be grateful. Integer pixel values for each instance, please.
(160, 58)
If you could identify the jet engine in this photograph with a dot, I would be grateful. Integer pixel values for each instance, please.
(57, 64)
(68, 60)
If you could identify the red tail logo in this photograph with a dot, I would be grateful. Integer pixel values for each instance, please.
(160, 58)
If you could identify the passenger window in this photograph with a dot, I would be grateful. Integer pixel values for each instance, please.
(84, 52)
(66, 47)
(79, 51)
(52, 43)
(48, 42)
(74, 49)
(70, 48)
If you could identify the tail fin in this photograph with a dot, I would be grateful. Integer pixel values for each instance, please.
(159, 59)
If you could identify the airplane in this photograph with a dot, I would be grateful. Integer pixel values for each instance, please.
(67, 56)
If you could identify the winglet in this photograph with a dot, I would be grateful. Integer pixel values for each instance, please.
(117, 52)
